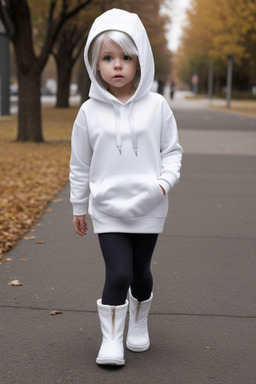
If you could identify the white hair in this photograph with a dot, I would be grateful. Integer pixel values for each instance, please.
(120, 38)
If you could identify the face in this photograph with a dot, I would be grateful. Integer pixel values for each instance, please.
(117, 69)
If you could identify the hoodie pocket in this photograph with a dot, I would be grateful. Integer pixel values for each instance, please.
(128, 196)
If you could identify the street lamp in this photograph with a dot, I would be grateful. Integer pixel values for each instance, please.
(229, 78)
(4, 72)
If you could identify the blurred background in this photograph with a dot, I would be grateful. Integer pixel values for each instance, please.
(193, 41)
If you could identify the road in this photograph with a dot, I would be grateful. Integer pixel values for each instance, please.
(203, 317)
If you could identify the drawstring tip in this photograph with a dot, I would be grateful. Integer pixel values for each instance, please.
(120, 150)
(135, 150)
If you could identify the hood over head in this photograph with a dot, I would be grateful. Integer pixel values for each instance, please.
(130, 23)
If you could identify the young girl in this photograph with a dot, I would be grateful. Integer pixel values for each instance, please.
(125, 158)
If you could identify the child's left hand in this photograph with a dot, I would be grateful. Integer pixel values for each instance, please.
(80, 225)
(163, 191)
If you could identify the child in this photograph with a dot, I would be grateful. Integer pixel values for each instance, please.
(125, 158)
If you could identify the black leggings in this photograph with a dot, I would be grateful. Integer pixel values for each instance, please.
(127, 259)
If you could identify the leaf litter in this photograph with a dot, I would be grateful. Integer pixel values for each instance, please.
(32, 174)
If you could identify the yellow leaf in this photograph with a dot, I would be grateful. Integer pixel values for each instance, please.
(29, 237)
(15, 283)
(55, 312)
(8, 260)
(57, 200)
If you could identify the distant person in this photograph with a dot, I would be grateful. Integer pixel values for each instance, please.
(172, 90)
(160, 88)
(125, 159)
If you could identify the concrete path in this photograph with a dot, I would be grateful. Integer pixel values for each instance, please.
(203, 318)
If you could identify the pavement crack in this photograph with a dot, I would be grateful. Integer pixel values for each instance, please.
(180, 314)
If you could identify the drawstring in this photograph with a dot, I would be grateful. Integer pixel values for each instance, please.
(132, 128)
(118, 128)
(118, 123)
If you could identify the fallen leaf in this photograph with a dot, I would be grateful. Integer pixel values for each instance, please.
(40, 242)
(8, 260)
(15, 283)
(29, 237)
(55, 312)
(23, 260)
(57, 200)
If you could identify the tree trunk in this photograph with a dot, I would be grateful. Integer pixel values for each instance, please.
(84, 81)
(17, 20)
(29, 72)
(29, 117)
(64, 71)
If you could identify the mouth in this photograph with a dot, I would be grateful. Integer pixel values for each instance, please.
(118, 77)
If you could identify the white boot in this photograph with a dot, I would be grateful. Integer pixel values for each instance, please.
(112, 322)
(138, 338)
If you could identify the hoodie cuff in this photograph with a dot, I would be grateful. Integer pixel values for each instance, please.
(79, 210)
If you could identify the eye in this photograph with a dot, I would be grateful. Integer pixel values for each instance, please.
(107, 58)
(126, 57)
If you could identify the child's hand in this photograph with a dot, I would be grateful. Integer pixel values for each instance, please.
(80, 225)
(163, 191)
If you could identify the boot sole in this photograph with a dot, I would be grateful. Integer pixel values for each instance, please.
(110, 362)
(137, 349)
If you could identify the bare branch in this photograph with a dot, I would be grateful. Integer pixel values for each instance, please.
(80, 35)
(76, 9)
(80, 47)
(55, 26)
(52, 8)
(64, 6)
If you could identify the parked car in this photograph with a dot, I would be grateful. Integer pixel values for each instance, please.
(46, 92)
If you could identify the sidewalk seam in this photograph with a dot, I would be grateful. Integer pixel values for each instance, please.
(150, 314)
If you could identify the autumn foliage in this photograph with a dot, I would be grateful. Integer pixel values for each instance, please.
(31, 173)
(217, 28)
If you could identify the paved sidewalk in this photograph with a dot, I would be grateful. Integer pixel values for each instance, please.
(203, 318)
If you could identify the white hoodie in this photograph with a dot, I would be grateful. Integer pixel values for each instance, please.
(122, 152)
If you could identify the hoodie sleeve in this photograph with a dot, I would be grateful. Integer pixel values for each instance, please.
(171, 150)
(81, 153)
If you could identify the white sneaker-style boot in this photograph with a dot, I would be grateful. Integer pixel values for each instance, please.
(137, 337)
(112, 322)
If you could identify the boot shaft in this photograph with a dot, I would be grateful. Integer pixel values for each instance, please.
(139, 310)
(112, 319)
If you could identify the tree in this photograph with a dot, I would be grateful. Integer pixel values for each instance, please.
(217, 28)
(69, 47)
(16, 16)
(66, 52)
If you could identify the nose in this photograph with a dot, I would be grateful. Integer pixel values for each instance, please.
(118, 64)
